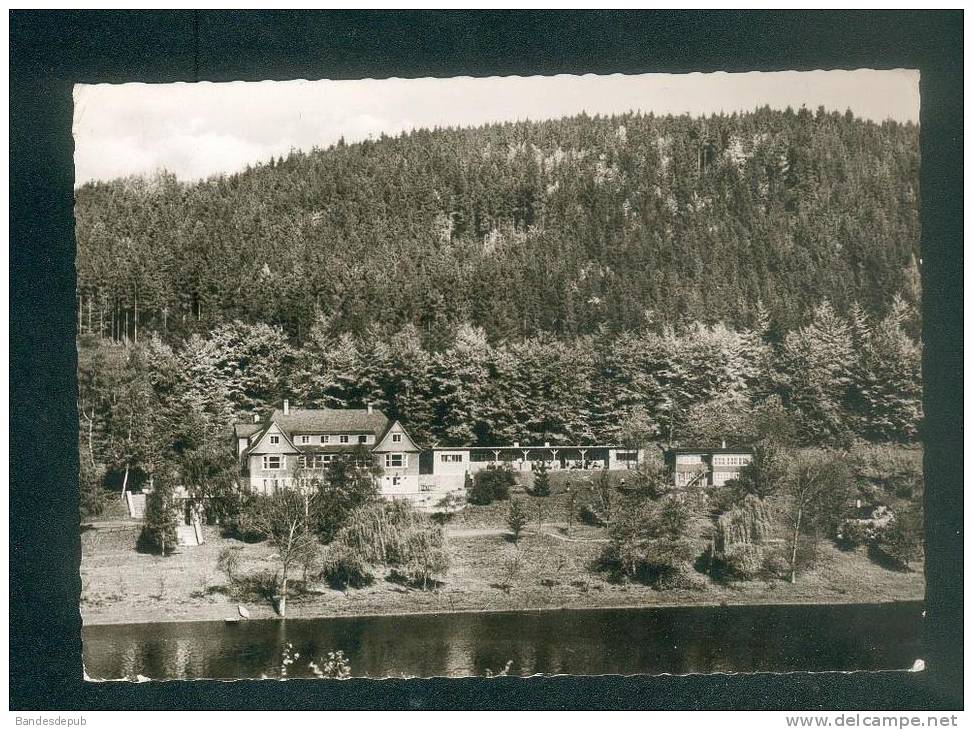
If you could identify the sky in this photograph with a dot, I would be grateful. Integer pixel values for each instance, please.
(203, 129)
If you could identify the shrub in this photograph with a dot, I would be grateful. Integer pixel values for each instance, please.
(228, 562)
(158, 533)
(854, 533)
(94, 496)
(345, 488)
(344, 568)
(492, 483)
(654, 542)
(901, 539)
(742, 560)
(764, 476)
(739, 538)
(426, 557)
(379, 532)
(393, 534)
(589, 515)
(777, 563)
(449, 504)
(243, 520)
(509, 567)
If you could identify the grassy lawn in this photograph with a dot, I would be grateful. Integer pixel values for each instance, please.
(549, 568)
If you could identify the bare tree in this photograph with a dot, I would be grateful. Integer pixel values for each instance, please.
(819, 488)
(282, 518)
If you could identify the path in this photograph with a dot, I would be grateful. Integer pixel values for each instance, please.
(499, 531)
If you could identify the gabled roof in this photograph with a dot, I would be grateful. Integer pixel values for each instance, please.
(330, 420)
(245, 430)
(707, 450)
(298, 421)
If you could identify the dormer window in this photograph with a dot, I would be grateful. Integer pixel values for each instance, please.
(396, 438)
(343, 439)
(305, 439)
(324, 439)
(275, 439)
(363, 439)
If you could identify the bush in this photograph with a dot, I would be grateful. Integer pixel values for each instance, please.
(492, 483)
(743, 561)
(777, 563)
(393, 534)
(426, 558)
(679, 577)
(589, 515)
(379, 532)
(158, 533)
(344, 568)
(901, 540)
(345, 488)
(243, 516)
(228, 562)
(854, 533)
(94, 496)
(654, 542)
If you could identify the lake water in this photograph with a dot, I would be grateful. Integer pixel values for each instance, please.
(603, 641)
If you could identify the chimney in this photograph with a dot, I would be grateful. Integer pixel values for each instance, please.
(723, 444)
(287, 407)
(368, 407)
(516, 444)
(256, 418)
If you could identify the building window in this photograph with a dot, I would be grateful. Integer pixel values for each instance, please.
(343, 439)
(271, 462)
(363, 439)
(324, 439)
(394, 461)
(396, 438)
(305, 439)
(275, 439)
(451, 458)
(396, 481)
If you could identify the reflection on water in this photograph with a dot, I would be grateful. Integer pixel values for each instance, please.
(604, 641)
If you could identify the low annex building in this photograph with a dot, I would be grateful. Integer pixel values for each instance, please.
(302, 441)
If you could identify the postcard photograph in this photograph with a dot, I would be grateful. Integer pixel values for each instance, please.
(500, 376)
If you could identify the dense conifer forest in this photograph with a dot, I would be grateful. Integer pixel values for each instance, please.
(582, 279)
(561, 227)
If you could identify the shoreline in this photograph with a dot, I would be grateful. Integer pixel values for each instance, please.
(300, 616)
(123, 587)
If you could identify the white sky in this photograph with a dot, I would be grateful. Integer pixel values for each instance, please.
(198, 130)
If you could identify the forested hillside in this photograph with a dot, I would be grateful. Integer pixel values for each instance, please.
(585, 280)
(562, 226)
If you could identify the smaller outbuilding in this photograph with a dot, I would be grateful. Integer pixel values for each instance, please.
(707, 466)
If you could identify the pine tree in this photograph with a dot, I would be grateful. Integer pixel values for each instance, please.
(160, 522)
(815, 367)
(542, 481)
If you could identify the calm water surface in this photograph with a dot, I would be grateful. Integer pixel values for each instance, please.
(603, 641)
